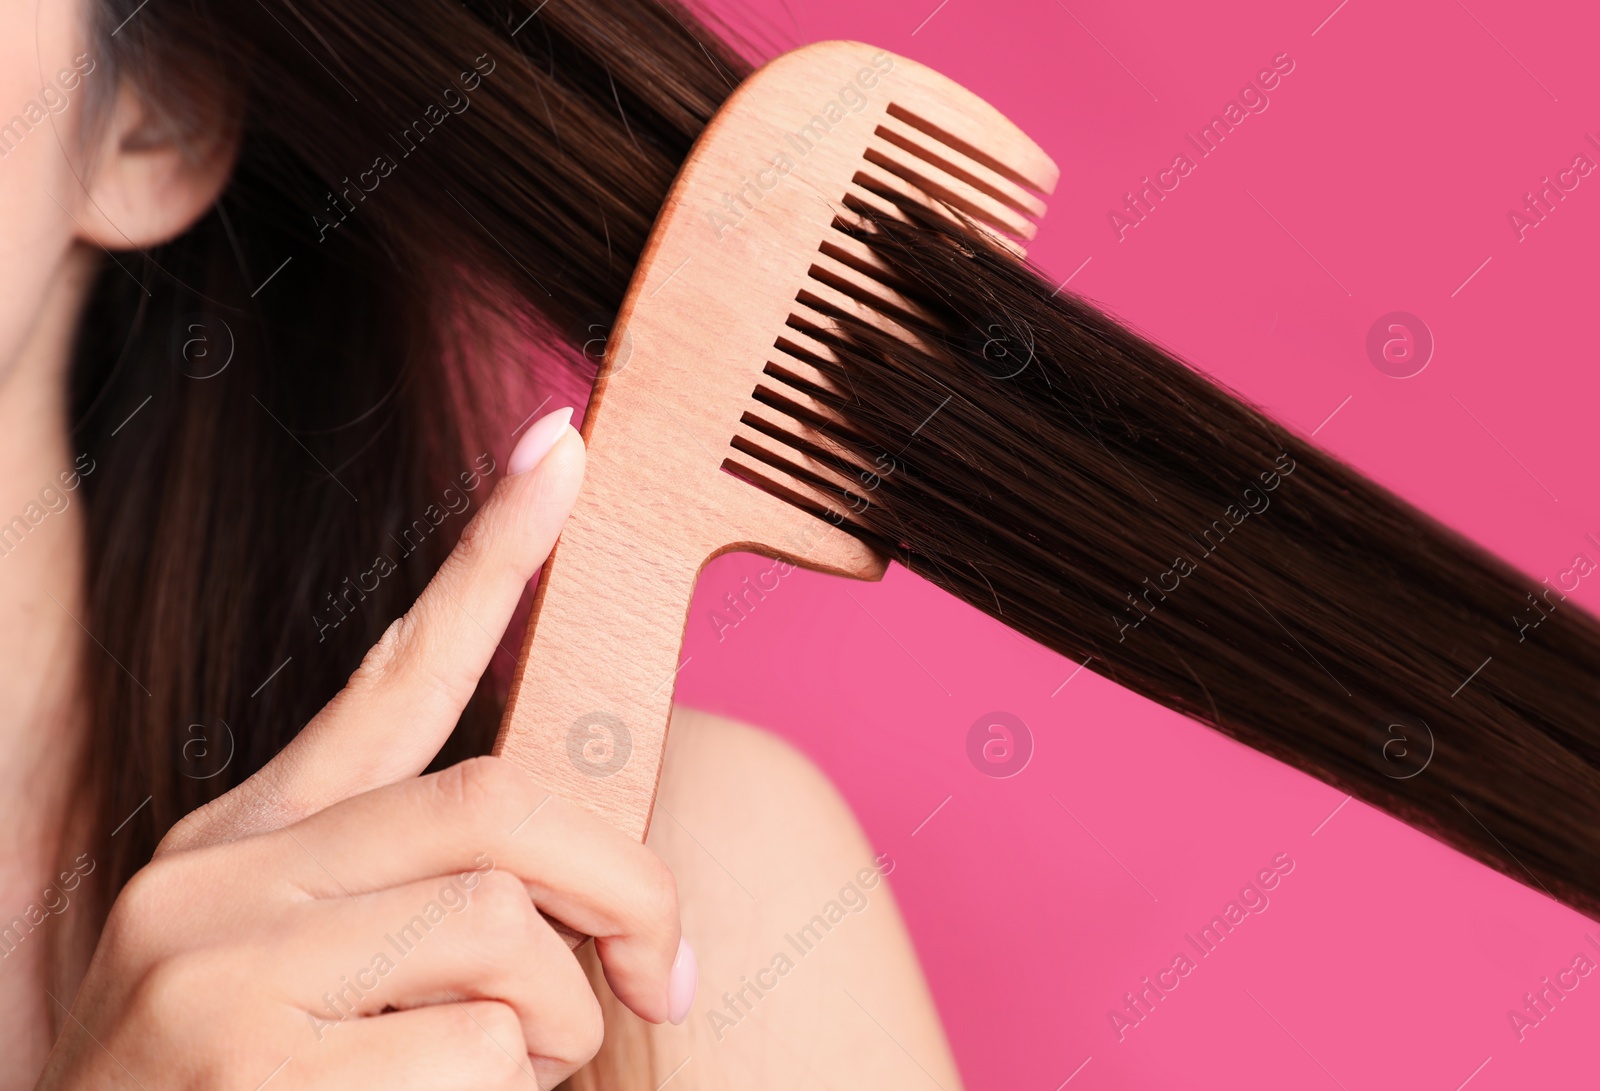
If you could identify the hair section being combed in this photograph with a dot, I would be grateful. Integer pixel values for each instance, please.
(430, 193)
(1053, 468)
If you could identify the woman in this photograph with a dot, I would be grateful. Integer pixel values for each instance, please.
(219, 399)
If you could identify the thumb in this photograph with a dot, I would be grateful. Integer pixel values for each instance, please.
(400, 706)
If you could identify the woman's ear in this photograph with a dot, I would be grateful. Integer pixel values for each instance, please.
(149, 179)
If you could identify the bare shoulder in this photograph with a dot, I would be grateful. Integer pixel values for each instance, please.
(757, 785)
(806, 970)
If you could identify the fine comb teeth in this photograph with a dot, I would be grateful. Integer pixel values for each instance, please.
(703, 430)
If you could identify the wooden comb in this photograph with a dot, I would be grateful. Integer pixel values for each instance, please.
(706, 371)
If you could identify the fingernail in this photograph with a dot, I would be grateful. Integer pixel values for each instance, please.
(538, 440)
(680, 989)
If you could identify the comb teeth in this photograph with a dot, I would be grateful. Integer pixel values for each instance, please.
(939, 122)
(959, 165)
(784, 444)
(732, 325)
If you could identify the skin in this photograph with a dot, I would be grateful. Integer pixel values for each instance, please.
(217, 960)
(760, 842)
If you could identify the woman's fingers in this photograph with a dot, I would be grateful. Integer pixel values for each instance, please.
(406, 698)
(400, 706)
(475, 1045)
(441, 941)
(487, 814)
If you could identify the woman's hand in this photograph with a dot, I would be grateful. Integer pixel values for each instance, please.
(338, 921)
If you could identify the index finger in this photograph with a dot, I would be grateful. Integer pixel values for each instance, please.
(486, 814)
(402, 703)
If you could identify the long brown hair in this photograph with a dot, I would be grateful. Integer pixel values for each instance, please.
(412, 168)
(280, 395)
(1084, 486)
(429, 197)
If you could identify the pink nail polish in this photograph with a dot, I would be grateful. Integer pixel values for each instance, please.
(681, 987)
(538, 440)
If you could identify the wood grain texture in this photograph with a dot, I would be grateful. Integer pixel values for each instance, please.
(684, 461)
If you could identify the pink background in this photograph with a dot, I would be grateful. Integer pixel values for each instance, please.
(1379, 178)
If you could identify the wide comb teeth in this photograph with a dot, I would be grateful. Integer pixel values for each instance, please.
(917, 162)
(957, 160)
(724, 368)
(784, 444)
